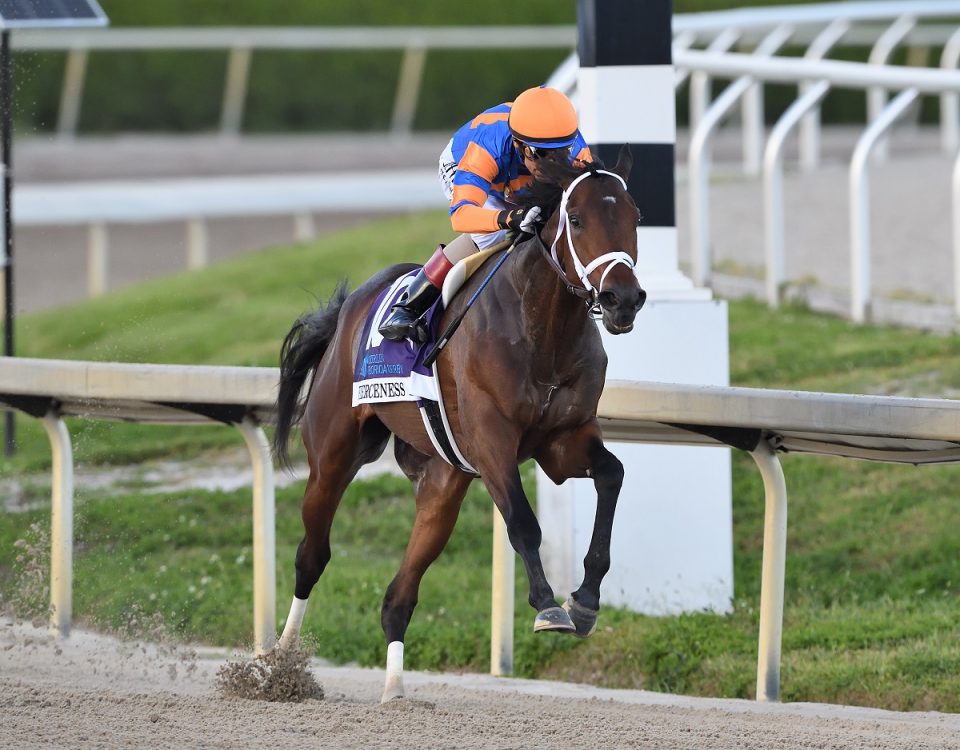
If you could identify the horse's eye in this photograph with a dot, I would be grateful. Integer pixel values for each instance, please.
(575, 221)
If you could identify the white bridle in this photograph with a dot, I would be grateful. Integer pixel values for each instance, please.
(613, 258)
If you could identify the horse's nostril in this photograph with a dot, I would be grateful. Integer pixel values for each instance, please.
(608, 300)
(641, 298)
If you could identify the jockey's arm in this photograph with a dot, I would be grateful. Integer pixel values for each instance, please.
(469, 218)
(472, 183)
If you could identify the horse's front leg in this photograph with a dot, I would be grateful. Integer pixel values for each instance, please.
(581, 453)
(502, 480)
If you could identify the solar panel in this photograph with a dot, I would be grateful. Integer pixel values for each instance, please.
(37, 14)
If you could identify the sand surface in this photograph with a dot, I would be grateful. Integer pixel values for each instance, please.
(91, 691)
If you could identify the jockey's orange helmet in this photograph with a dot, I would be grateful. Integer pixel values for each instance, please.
(543, 118)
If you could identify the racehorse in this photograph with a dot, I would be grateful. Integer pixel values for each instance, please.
(521, 379)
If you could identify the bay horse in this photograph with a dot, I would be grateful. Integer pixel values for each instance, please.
(521, 379)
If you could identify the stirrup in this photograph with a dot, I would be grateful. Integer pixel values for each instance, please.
(405, 320)
(398, 330)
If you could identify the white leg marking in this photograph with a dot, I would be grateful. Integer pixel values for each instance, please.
(394, 685)
(291, 630)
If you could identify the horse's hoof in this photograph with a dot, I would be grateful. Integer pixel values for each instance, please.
(553, 618)
(584, 620)
(393, 689)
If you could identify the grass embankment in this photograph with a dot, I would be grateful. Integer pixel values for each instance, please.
(872, 571)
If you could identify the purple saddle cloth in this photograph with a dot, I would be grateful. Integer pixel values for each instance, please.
(393, 370)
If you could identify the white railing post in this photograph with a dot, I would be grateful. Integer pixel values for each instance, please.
(501, 610)
(877, 95)
(98, 259)
(773, 572)
(773, 186)
(752, 103)
(950, 100)
(235, 90)
(860, 293)
(408, 90)
(564, 76)
(198, 244)
(61, 525)
(304, 228)
(810, 124)
(700, 80)
(956, 235)
(264, 537)
(699, 179)
(72, 93)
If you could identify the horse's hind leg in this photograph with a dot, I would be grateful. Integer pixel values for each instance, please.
(440, 492)
(333, 463)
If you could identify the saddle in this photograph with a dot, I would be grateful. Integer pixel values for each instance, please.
(387, 371)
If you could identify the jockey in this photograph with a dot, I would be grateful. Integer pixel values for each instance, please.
(489, 160)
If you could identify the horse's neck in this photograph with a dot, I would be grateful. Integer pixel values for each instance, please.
(553, 319)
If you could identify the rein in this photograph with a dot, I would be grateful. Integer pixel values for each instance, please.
(588, 293)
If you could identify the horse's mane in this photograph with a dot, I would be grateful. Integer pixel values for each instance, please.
(547, 194)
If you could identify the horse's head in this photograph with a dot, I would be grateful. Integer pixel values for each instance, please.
(594, 237)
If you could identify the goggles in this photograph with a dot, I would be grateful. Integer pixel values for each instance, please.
(535, 153)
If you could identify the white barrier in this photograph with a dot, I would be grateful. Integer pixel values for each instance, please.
(159, 394)
(763, 422)
(101, 203)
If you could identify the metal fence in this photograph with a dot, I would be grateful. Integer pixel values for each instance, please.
(737, 45)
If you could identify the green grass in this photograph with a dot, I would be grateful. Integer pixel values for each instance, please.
(872, 568)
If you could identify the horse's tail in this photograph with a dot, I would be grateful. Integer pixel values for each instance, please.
(302, 350)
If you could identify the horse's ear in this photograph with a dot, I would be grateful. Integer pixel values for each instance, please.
(624, 162)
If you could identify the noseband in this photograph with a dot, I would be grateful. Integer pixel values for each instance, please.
(613, 258)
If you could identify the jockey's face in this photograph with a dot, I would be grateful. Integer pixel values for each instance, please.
(532, 156)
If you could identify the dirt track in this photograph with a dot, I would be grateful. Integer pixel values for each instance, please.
(91, 691)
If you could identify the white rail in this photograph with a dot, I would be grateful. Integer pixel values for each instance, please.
(821, 27)
(773, 178)
(242, 41)
(746, 68)
(760, 421)
(195, 201)
(810, 127)
(165, 394)
(882, 26)
(860, 276)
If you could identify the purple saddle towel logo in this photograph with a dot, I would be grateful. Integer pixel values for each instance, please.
(393, 370)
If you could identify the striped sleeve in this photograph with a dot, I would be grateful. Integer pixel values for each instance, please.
(476, 171)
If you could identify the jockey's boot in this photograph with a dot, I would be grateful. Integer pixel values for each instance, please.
(404, 320)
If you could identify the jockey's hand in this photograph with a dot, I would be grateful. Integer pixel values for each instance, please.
(531, 220)
(522, 219)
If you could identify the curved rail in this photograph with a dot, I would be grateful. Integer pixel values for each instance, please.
(860, 203)
(773, 185)
(810, 125)
(950, 101)
(880, 55)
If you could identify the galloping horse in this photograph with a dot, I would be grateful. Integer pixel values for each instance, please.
(521, 379)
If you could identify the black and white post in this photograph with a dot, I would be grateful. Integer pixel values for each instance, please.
(672, 546)
(625, 90)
